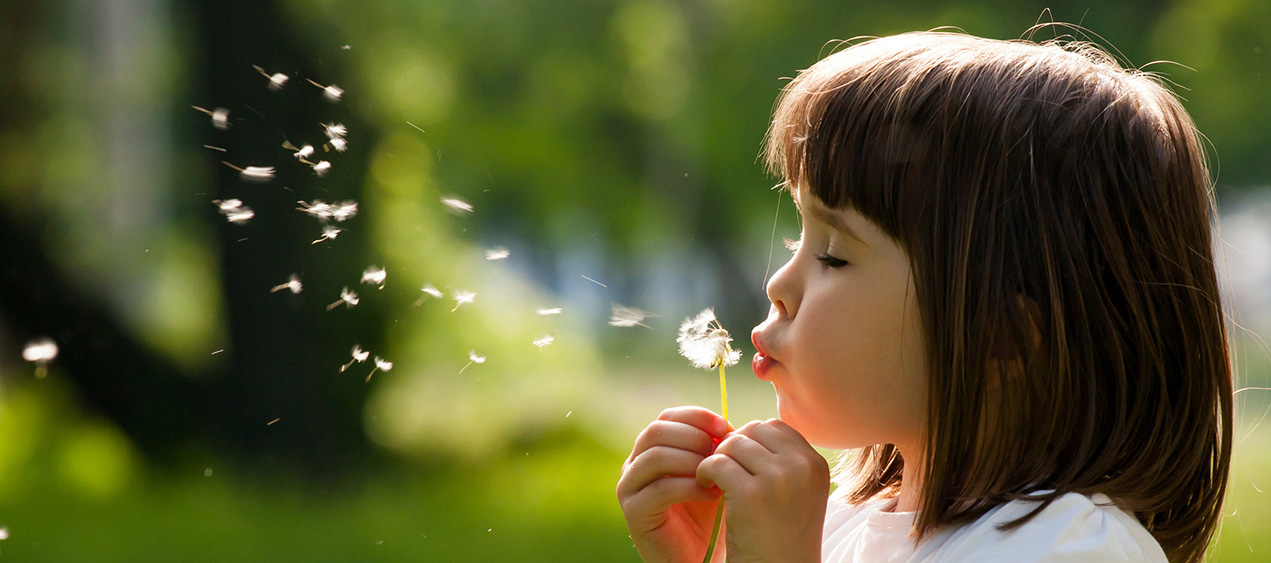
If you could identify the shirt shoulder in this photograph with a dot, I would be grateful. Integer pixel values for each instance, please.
(1073, 527)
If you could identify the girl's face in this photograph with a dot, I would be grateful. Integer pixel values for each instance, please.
(843, 343)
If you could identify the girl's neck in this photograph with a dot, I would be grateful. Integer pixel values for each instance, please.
(911, 483)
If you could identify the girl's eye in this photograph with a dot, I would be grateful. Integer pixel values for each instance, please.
(831, 262)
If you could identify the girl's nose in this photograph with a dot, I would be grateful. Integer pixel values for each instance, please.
(783, 290)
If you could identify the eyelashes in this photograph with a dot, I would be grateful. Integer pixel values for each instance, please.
(825, 258)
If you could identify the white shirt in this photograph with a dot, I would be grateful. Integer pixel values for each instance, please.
(1073, 528)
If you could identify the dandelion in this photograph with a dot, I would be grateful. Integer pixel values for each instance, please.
(304, 152)
(706, 344)
(253, 173)
(374, 276)
(457, 206)
(463, 298)
(380, 364)
(220, 117)
(40, 351)
(347, 297)
(293, 284)
(551, 311)
(332, 93)
(497, 253)
(544, 341)
(429, 291)
(276, 80)
(340, 145)
(321, 168)
(328, 232)
(473, 358)
(627, 317)
(318, 208)
(359, 356)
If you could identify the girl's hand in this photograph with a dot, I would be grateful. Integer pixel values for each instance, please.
(775, 486)
(669, 514)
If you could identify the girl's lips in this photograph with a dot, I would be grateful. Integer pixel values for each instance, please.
(761, 362)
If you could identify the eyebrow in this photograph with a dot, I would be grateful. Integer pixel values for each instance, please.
(823, 215)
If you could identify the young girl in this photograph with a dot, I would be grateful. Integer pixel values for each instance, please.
(1003, 301)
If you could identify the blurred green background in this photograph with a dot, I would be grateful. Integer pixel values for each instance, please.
(611, 146)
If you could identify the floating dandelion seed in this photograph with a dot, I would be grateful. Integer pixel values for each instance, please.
(4, 533)
(627, 317)
(457, 206)
(347, 297)
(497, 253)
(332, 93)
(321, 168)
(428, 290)
(40, 351)
(304, 152)
(335, 130)
(544, 341)
(220, 117)
(463, 298)
(293, 284)
(473, 358)
(551, 311)
(374, 276)
(380, 364)
(234, 210)
(705, 343)
(328, 232)
(253, 173)
(276, 80)
(343, 210)
(359, 356)
(340, 145)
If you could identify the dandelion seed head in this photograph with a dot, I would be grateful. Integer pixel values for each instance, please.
(277, 80)
(551, 311)
(497, 253)
(705, 343)
(430, 290)
(322, 168)
(328, 232)
(382, 364)
(374, 276)
(4, 533)
(304, 152)
(472, 355)
(332, 93)
(456, 205)
(227, 204)
(626, 316)
(340, 145)
(544, 341)
(40, 350)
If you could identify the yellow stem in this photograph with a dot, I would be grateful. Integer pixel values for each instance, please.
(723, 390)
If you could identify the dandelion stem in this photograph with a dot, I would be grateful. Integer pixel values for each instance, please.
(719, 512)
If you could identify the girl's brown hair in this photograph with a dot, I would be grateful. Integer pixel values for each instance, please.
(1056, 210)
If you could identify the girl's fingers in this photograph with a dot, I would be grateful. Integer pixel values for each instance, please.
(655, 463)
(699, 417)
(673, 434)
(746, 451)
(721, 471)
(664, 493)
(777, 436)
